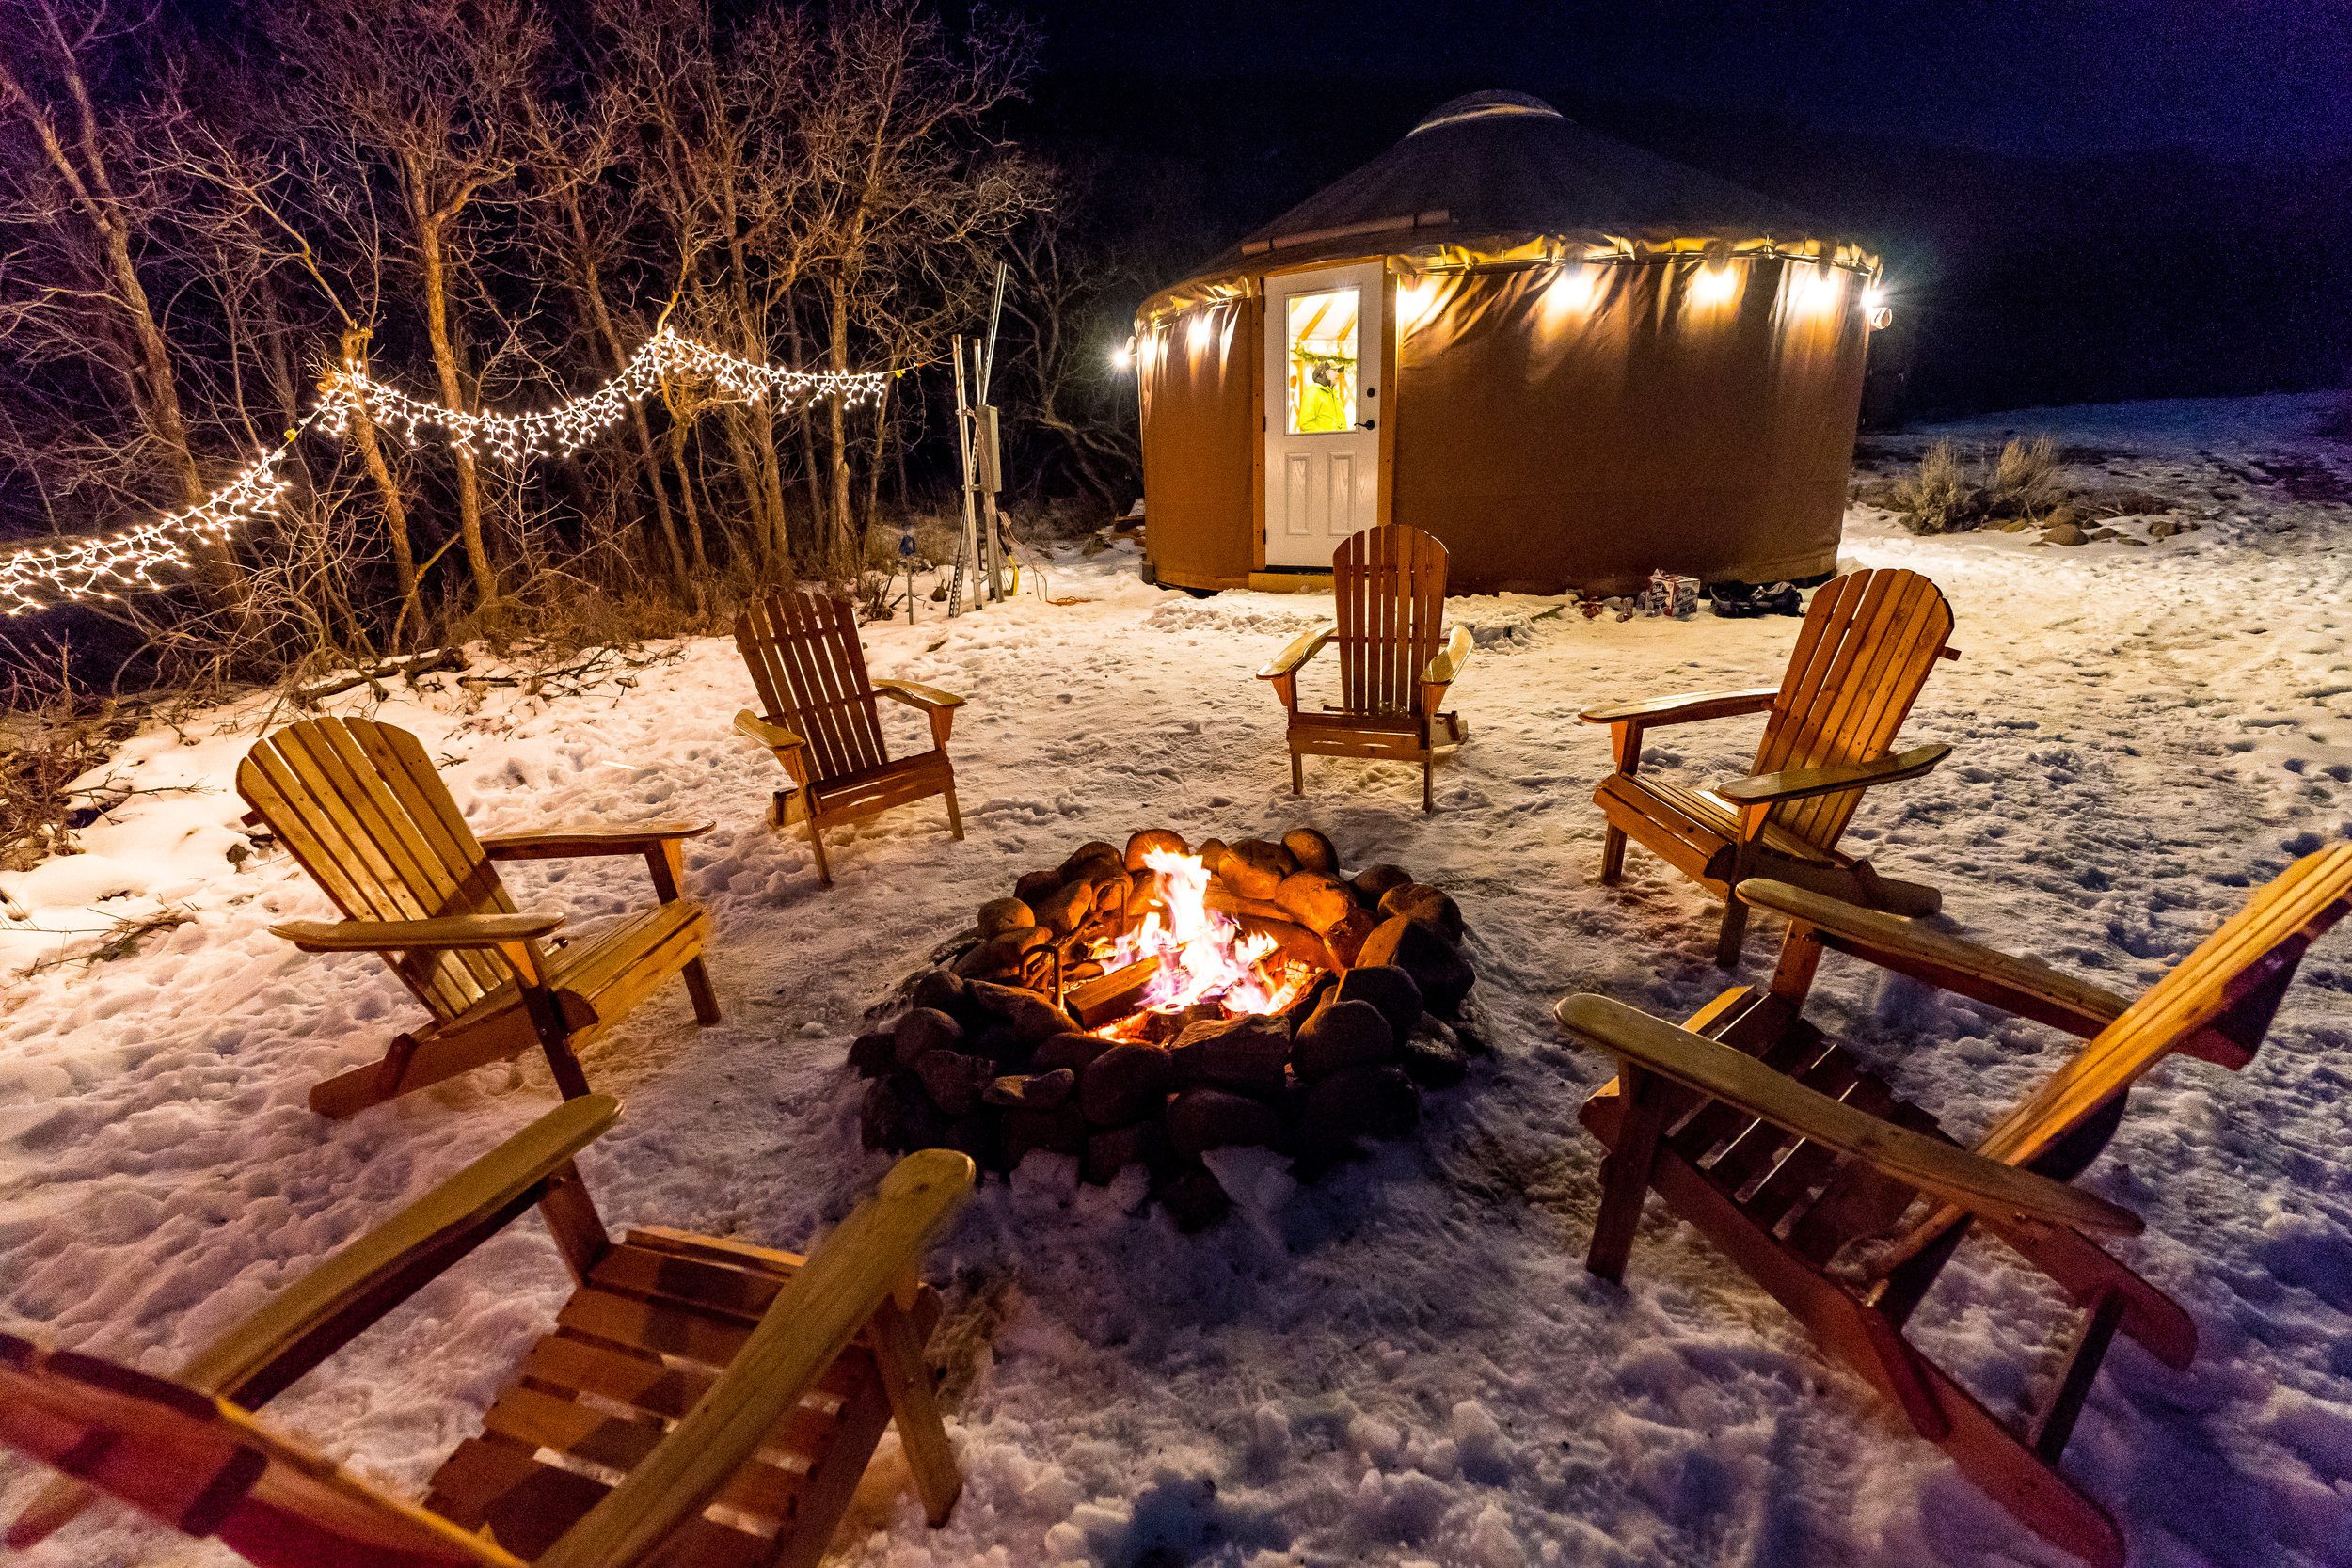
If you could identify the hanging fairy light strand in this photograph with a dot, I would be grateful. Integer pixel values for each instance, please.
(567, 427)
(111, 565)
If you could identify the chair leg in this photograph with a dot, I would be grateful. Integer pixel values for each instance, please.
(922, 1437)
(1298, 777)
(1734, 934)
(545, 1012)
(698, 986)
(1626, 1170)
(816, 847)
(1428, 796)
(1612, 855)
(570, 1078)
(955, 817)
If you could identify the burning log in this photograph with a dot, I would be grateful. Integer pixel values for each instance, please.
(1221, 898)
(1116, 994)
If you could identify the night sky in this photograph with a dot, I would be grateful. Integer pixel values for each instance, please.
(2077, 200)
(2035, 77)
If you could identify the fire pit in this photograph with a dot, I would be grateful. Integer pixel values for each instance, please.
(1144, 1007)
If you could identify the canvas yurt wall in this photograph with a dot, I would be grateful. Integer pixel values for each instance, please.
(1587, 363)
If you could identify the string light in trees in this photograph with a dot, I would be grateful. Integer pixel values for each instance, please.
(567, 428)
(106, 567)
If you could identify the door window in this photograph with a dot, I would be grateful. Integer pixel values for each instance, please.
(1322, 356)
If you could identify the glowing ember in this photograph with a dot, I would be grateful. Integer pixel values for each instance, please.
(1205, 956)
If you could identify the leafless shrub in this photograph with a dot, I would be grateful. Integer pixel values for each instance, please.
(1944, 495)
(2025, 482)
(48, 739)
(1939, 497)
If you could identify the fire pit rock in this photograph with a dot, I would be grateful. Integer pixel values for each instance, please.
(1140, 1008)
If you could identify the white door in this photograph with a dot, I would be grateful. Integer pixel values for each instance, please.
(1323, 344)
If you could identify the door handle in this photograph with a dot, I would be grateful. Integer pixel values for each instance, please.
(1366, 424)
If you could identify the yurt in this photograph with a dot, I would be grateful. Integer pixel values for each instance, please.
(1574, 361)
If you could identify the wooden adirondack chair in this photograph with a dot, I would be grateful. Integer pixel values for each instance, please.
(819, 719)
(360, 808)
(1868, 643)
(698, 1402)
(1387, 585)
(1846, 1203)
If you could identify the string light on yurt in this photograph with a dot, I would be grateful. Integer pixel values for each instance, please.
(1814, 291)
(1201, 333)
(1874, 308)
(1571, 292)
(1123, 355)
(1416, 302)
(1718, 284)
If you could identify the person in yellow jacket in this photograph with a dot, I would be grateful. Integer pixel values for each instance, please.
(1321, 407)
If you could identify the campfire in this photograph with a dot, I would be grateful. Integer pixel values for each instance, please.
(1180, 955)
(1144, 1007)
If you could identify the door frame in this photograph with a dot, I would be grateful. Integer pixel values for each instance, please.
(1384, 468)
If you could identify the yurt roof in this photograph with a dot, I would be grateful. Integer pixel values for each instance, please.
(1502, 176)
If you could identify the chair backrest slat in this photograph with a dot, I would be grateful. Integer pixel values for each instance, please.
(1868, 643)
(205, 1468)
(806, 662)
(2275, 924)
(1388, 590)
(361, 809)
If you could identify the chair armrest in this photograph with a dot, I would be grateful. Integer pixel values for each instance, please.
(773, 735)
(2025, 986)
(2003, 1194)
(360, 1282)
(459, 932)
(1447, 664)
(1305, 647)
(1683, 707)
(917, 695)
(551, 843)
(1797, 784)
(852, 1271)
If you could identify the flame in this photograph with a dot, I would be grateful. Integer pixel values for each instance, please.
(1204, 954)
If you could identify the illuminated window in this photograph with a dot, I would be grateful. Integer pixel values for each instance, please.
(1322, 356)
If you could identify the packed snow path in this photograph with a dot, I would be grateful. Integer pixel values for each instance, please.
(1406, 1364)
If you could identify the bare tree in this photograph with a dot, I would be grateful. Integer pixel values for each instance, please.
(585, 219)
(429, 91)
(1070, 304)
(906, 184)
(94, 214)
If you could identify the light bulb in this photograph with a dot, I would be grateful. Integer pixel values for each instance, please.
(1572, 290)
(1714, 285)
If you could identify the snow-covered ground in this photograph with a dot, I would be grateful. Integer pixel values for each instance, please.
(1406, 1364)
